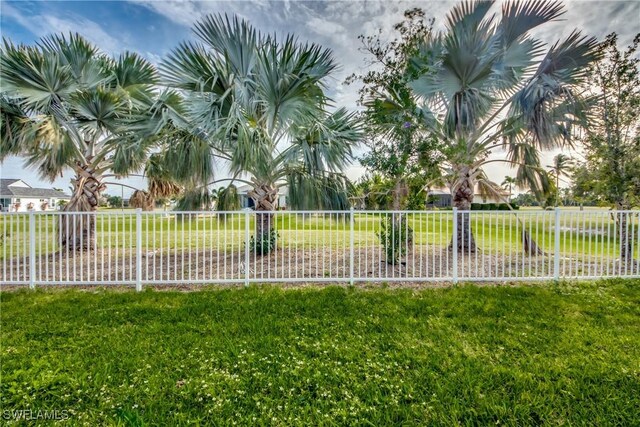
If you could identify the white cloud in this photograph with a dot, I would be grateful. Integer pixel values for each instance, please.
(336, 25)
(42, 25)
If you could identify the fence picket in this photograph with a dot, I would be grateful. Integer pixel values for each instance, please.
(316, 246)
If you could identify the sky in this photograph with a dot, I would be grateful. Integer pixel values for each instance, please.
(154, 28)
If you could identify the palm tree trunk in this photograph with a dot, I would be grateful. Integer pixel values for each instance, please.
(462, 199)
(265, 197)
(625, 239)
(77, 232)
(400, 191)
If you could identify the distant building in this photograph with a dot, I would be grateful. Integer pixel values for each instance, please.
(247, 202)
(18, 196)
(441, 197)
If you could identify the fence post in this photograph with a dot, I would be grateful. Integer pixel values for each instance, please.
(247, 238)
(454, 245)
(138, 249)
(32, 250)
(351, 248)
(556, 247)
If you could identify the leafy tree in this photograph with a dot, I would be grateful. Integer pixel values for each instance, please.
(66, 105)
(583, 185)
(400, 149)
(485, 83)
(526, 199)
(258, 103)
(562, 166)
(375, 192)
(114, 201)
(611, 172)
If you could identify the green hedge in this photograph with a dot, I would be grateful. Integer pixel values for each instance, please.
(492, 206)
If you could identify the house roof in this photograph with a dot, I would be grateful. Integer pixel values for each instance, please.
(439, 192)
(9, 189)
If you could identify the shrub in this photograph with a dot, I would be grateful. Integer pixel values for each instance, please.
(493, 206)
(395, 236)
(263, 245)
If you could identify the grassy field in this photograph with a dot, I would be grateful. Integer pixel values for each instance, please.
(583, 233)
(566, 354)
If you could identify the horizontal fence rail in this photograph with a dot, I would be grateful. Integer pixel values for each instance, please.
(138, 248)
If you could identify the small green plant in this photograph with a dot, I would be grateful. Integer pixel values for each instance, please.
(264, 244)
(396, 236)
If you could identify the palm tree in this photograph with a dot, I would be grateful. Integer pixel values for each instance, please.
(66, 105)
(485, 84)
(562, 166)
(508, 184)
(258, 103)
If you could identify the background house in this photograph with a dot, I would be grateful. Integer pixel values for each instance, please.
(247, 202)
(441, 197)
(18, 196)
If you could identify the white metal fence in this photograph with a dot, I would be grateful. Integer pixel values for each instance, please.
(137, 248)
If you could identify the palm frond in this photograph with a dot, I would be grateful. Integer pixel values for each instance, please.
(194, 199)
(520, 17)
(132, 71)
(548, 107)
(326, 191)
(468, 14)
(14, 127)
(529, 171)
(233, 39)
(161, 182)
(228, 199)
(327, 145)
(88, 66)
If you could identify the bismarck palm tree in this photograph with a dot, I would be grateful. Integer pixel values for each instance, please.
(258, 103)
(508, 184)
(562, 166)
(67, 106)
(486, 84)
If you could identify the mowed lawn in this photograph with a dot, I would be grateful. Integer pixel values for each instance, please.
(566, 354)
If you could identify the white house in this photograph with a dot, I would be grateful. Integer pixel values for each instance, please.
(247, 202)
(18, 196)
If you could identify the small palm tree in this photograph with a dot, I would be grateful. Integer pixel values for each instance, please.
(258, 103)
(485, 84)
(562, 166)
(508, 184)
(65, 105)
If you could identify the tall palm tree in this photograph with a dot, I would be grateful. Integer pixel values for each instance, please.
(258, 103)
(66, 105)
(508, 184)
(485, 84)
(562, 166)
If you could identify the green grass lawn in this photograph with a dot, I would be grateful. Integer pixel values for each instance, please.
(565, 354)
